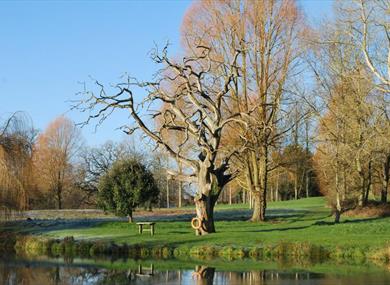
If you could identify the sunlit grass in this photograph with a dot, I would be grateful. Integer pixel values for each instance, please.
(305, 220)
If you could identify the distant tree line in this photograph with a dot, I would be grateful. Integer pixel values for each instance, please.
(54, 169)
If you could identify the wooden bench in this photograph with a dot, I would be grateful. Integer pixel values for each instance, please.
(141, 227)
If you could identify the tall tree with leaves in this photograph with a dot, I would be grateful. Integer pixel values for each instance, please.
(267, 33)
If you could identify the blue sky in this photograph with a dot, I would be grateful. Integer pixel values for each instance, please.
(48, 47)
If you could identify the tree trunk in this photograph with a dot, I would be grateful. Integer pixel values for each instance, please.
(338, 209)
(260, 185)
(59, 199)
(362, 183)
(307, 183)
(263, 205)
(167, 193)
(180, 193)
(369, 181)
(307, 171)
(260, 199)
(180, 187)
(385, 180)
(337, 216)
(205, 213)
(296, 185)
(277, 187)
(130, 216)
(230, 194)
(385, 186)
(338, 202)
(361, 199)
(276, 195)
(59, 192)
(258, 214)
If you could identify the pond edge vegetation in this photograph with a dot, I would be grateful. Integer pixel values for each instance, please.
(68, 247)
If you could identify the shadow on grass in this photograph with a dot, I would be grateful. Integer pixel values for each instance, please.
(363, 220)
(44, 226)
(279, 229)
(230, 215)
(285, 216)
(346, 221)
(318, 223)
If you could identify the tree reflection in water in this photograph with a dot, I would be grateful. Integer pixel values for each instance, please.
(46, 272)
(204, 275)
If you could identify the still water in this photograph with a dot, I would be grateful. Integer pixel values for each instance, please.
(57, 271)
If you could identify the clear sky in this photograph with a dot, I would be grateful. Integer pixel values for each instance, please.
(48, 47)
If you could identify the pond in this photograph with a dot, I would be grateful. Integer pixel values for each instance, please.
(42, 271)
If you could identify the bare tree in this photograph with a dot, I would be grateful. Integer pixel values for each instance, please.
(54, 151)
(348, 143)
(195, 109)
(96, 161)
(368, 23)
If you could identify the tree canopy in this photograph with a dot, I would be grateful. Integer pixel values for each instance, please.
(125, 186)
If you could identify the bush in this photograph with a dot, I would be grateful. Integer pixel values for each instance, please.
(125, 186)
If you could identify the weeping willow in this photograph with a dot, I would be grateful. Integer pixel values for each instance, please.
(13, 193)
(16, 139)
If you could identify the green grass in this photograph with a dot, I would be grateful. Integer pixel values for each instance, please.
(301, 221)
(305, 220)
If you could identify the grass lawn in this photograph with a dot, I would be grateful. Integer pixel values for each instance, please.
(305, 220)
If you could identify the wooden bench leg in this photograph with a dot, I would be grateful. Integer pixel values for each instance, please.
(140, 229)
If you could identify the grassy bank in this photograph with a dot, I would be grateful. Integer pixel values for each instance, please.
(294, 228)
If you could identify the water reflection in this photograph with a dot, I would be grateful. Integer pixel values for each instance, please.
(203, 275)
(207, 275)
(51, 272)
